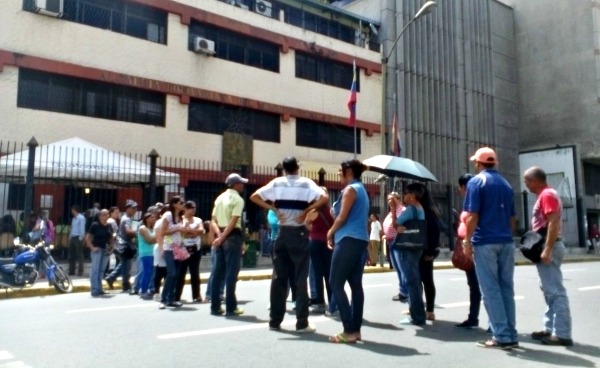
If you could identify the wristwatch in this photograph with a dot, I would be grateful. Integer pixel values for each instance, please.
(466, 242)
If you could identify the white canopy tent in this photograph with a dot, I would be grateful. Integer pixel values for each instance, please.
(77, 160)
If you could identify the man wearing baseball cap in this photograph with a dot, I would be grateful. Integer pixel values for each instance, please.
(489, 203)
(227, 225)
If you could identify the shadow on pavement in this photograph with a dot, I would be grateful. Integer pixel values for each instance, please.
(590, 350)
(381, 326)
(445, 331)
(551, 357)
(247, 319)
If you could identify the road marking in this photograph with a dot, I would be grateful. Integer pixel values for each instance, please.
(575, 269)
(215, 331)
(4, 355)
(589, 288)
(466, 304)
(458, 279)
(146, 305)
(16, 364)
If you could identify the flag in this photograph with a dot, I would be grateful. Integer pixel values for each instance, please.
(396, 148)
(352, 97)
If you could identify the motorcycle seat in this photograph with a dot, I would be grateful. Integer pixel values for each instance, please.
(4, 261)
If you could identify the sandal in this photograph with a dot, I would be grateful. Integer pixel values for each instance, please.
(430, 316)
(342, 338)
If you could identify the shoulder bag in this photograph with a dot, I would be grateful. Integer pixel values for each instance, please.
(460, 259)
(415, 235)
(533, 252)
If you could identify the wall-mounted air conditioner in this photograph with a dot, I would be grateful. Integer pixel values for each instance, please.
(238, 3)
(51, 8)
(204, 46)
(264, 7)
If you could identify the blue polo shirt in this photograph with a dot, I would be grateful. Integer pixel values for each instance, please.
(492, 198)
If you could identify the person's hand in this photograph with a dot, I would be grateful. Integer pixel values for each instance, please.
(400, 229)
(546, 256)
(468, 249)
(218, 241)
(330, 242)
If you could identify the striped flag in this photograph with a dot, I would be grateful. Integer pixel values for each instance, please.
(396, 148)
(352, 99)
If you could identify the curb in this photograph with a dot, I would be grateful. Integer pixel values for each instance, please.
(49, 290)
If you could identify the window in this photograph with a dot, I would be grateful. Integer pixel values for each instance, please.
(116, 15)
(69, 95)
(215, 118)
(591, 178)
(325, 71)
(316, 134)
(237, 48)
(16, 197)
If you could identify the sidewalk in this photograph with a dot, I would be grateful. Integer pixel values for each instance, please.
(263, 270)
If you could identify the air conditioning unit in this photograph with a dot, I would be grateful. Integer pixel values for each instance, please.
(264, 7)
(204, 46)
(238, 3)
(51, 8)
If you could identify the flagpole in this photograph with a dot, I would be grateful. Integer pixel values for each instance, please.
(355, 149)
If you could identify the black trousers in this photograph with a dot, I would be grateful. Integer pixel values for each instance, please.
(193, 265)
(290, 263)
(426, 271)
(320, 256)
(75, 256)
(160, 273)
(474, 295)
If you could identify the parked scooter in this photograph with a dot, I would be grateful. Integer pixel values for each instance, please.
(21, 271)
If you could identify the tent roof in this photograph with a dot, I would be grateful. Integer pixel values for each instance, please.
(75, 159)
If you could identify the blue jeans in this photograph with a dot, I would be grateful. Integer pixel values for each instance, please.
(123, 269)
(409, 264)
(168, 292)
(347, 264)
(99, 261)
(557, 319)
(495, 266)
(213, 265)
(147, 270)
(403, 289)
(228, 259)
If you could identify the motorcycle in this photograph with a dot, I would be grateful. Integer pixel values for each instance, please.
(21, 271)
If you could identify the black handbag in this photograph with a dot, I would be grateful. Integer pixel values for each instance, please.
(415, 235)
(534, 254)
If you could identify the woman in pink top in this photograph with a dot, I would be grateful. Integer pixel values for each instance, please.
(474, 293)
(394, 200)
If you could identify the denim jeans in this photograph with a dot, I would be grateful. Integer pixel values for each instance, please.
(123, 269)
(168, 292)
(228, 259)
(290, 267)
(474, 296)
(347, 265)
(139, 270)
(409, 264)
(402, 288)
(320, 259)
(213, 265)
(557, 319)
(147, 271)
(495, 266)
(99, 261)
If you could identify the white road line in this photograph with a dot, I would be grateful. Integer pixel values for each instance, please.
(589, 288)
(16, 364)
(4, 355)
(145, 305)
(466, 304)
(574, 269)
(458, 279)
(214, 331)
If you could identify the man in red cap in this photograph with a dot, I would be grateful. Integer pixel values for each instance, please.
(489, 202)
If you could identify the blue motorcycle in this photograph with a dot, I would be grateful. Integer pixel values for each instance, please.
(21, 271)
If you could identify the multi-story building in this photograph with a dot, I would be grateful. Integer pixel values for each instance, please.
(235, 82)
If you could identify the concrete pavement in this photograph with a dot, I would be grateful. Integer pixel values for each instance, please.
(263, 270)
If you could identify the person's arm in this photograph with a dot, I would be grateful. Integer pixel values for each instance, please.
(348, 199)
(310, 218)
(165, 226)
(471, 224)
(553, 228)
(88, 242)
(148, 237)
(81, 227)
(323, 199)
(225, 233)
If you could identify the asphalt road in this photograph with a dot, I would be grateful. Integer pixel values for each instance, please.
(77, 330)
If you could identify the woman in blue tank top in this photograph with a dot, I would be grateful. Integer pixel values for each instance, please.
(349, 238)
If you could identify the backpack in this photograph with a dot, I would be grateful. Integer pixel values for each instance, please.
(49, 232)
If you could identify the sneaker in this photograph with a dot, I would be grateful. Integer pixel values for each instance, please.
(331, 314)
(410, 321)
(162, 306)
(174, 304)
(134, 292)
(493, 344)
(146, 296)
(318, 308)
(157, 297)
(219, 312)
(274, 328)
(539, 335)
(400, 298)
(236, 312)
(110, 283)
(556, 341)
(467, 324)
(308, 329)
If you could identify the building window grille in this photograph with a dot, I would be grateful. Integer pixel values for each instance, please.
(59, 93)
(237, 47)
(314, 134)
(216, 118)
(120, 16)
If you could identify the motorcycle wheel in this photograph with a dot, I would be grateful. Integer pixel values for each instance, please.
(62, 282)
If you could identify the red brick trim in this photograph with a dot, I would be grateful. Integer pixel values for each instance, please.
(187, 13)
(182, 91)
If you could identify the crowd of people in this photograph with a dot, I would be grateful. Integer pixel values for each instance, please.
(322, 248)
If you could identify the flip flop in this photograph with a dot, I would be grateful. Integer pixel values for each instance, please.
(341, 338)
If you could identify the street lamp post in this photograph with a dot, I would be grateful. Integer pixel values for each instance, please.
(425, 9)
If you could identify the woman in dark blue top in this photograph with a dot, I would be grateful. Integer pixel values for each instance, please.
(408, 259)
(350, 236)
